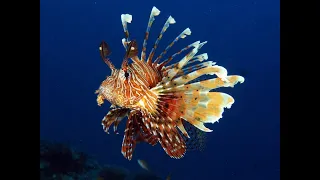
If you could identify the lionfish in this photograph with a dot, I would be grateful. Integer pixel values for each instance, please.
(159, 98)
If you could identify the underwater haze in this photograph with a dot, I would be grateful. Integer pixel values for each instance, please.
(243, 36)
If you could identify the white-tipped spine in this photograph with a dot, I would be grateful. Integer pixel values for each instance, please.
(205, 56)
(195, 44)
(201, 44)
(171, 20)
(186, 32)
(209, 63)
(222, 74)
(241, 79)
(124, 42)
(126, 18)
(155, 11)
(201, 57)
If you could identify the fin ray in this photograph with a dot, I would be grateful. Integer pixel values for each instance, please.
(182, 35)
(113, 116)
(154, 12)
(125, 19)
(205, 85)
(169, 21)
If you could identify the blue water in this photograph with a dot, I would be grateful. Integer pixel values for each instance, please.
(243, 36)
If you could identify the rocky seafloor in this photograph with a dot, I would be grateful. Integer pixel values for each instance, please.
(58, 161)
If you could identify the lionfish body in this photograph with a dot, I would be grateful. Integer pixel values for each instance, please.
(157, 97)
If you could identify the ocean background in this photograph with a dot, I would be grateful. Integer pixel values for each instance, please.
(243, 37)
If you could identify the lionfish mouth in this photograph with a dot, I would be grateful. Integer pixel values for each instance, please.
(169, 95)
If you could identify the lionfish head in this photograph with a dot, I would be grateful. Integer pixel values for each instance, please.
(114, 87)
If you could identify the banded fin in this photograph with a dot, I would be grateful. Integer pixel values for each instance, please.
(193, 102)
(163, 125)
(205, 85)
(172, 72)
(165, 62)
(168, 137)
(172, 143)
(199, 58)
(206, 107)
(154, 12)
(125, 19)
(181, 127)
(196, 104)
(147, 137)
(169, 21)
(220, 71)
(114, 116)
(182, 35)
(196, 107)
(189, 69)
(129, 138)
(145, 134)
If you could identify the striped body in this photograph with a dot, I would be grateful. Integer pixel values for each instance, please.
(158, 97)
(126, 92)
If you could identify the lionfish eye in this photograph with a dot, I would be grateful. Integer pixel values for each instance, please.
(126, 74)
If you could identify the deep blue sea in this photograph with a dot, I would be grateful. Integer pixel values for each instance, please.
(243, 36)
